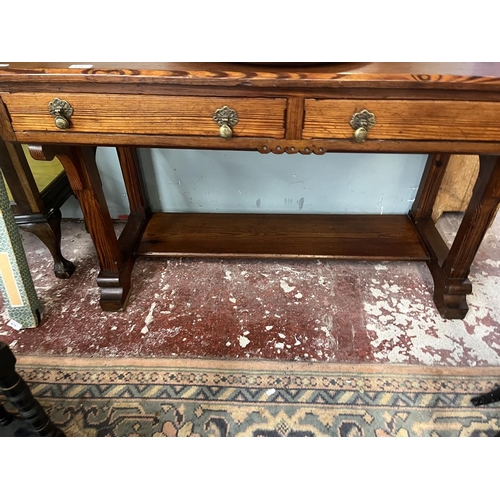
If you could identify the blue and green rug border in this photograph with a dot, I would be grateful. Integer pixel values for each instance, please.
(214, 397)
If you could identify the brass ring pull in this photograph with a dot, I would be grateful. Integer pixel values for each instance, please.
(62, 111)
(362, 122)
(226, 118)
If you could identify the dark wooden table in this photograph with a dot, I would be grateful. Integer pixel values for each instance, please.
(432, 108)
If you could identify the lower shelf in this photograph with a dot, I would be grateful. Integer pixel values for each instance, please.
(363, 237)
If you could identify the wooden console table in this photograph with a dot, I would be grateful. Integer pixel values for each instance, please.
(433, 108)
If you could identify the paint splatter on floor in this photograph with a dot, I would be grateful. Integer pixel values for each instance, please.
(334, 311)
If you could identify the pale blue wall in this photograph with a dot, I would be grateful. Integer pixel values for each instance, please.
(213, 181)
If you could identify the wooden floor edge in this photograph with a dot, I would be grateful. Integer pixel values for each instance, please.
(213, 364)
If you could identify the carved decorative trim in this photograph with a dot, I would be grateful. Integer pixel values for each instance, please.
(40, 153)
(291, 148)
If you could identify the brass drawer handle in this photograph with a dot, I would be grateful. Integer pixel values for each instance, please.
(62, 111)
(226, 118)
(362, 122)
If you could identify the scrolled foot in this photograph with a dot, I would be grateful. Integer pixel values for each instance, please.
(115, 288)
(451, 306)
(450, 297)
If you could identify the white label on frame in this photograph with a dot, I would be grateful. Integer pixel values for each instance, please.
(81, 66)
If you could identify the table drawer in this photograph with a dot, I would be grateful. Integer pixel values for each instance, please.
(404, 120)
(148, 114)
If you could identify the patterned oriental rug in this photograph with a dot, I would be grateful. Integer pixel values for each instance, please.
(207, 397)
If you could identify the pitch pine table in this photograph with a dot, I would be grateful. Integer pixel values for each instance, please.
(67, 110)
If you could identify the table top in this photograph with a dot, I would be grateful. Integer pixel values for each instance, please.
(457, 75)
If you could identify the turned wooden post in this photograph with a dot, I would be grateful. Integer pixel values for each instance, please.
(19, 394)
(5, 417)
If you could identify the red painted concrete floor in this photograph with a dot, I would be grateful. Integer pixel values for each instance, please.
(290, 310)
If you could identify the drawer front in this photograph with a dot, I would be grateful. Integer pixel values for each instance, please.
(404, 120)
(132, 114)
